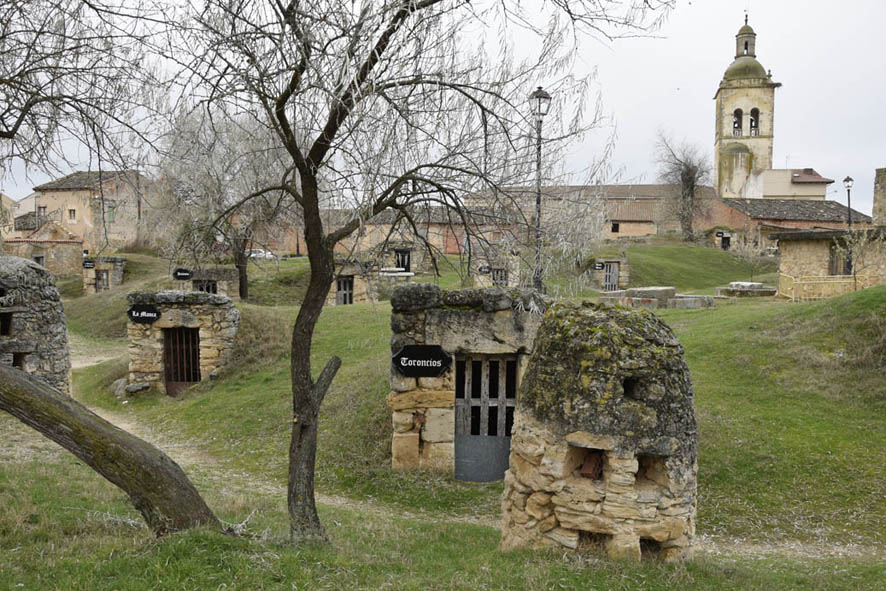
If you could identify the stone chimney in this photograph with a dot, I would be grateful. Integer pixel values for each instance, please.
(879, 213)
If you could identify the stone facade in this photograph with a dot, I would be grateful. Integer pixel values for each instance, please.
(496, 268)
(492, 321)
(598, 276)
(605, 438)
(219, 280)
(879, 213)
(213, 315)
(107, 273)
(33, 330)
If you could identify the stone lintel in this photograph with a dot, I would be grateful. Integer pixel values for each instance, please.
(421, 399)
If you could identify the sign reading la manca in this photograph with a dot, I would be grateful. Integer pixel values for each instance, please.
(143, 313)
(422, 361)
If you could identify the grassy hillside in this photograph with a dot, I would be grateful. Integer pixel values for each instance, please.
(692, 268)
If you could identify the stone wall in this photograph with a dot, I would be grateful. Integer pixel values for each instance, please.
(491, 321)
(63, 258)
(605, 438)
(33, 330)
(227, 281)
(214, 315)
(879, 212)
(115, 266)
(656, 298)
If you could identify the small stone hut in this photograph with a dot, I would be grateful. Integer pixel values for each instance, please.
(190, 339)
(353, 284)
(496, 268)
(605, 438)
(33, 331)
(610, 273)
(218, 280)
(460, 421)
(103, 272)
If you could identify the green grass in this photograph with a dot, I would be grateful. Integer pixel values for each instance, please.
(691, 268)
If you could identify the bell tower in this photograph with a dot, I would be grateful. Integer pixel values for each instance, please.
(744, 117)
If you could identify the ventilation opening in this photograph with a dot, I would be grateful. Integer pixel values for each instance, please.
(592, 465)
(631, 388)
(649, 549)
(592, 541)
(652, 470)
(18, 360)
(5, 324)
(2, 292)
(206, 285)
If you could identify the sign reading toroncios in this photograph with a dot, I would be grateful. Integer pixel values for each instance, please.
(422, 361)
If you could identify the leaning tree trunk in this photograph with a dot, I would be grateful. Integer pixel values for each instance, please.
(307, 395)
(156, 485)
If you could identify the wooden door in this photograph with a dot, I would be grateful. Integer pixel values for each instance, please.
(344, 290)
(610, 276)
(485, 397)
(101, 280)
(181, 358)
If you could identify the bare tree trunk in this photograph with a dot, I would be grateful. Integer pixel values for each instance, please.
(156, 485)
(307, 395)
(687, 202)
(241, 261)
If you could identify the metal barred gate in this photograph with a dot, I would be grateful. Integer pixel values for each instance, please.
(485, 397)
(181, 358)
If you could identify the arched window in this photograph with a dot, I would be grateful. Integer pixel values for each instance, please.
(737, 116)
(755, 122)
(745, 47)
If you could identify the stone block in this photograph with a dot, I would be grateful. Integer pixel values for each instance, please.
(432, 383)
(564, 537)
(589, 522)
(624, 547)
(404, 450)
(660, 294)
(437, 456)
(496, 299)
(439, 425)
(560, 460)
(684, 303)
(647, 303)
(402, 421)
(421, 399)
(538, 505)
(661, 530)
(547, 524)
(400, 383)
(528, 474)
(413, 297)
(589, 441)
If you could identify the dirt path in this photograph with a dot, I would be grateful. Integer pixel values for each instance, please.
(86, 352)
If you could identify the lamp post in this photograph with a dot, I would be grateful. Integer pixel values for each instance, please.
(540, 102)
(848, 182)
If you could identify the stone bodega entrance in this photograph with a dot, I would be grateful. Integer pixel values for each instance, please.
(181, 358)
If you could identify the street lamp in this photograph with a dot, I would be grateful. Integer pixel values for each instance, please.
(540, 102)
(847, 182)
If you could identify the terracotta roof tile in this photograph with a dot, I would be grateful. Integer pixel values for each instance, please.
(808, 210)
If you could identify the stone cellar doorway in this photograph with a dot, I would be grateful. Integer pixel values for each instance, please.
(485, 397)
(344, 290)
(610, 276)
(181, 358)
(101, 280)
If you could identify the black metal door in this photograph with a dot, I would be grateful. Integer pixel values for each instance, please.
(485, 397)
(725, 242)
(181, 358)
(610, 276)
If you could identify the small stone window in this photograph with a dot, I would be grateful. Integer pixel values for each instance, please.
(649, 549)
(40, 260)
(615, 227)
(5, 324)
(18, 360)
(41, 210)
(206, 285)
(72, 215)
(631, 386)
(651, 470)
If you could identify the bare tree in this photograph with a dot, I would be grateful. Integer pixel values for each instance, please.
(209, 163)
(390, 103)
(686, 168)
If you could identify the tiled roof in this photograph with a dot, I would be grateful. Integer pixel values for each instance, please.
(808, 210)
(808, 175)
(876, 233)
(81, 180)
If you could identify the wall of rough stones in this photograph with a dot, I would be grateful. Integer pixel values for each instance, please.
(214, 315)
(33, 329)
(115, 266)
(605, 439)
(226, 279)
(491, 321)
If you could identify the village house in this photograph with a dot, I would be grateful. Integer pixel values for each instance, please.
(103, 209)
(52, 246)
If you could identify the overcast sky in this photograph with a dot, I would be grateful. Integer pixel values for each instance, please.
(830, 113)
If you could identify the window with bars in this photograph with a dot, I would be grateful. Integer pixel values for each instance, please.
(485, 395)
(206, 285)
(500, 277)
(403, 259)
(344, 290)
